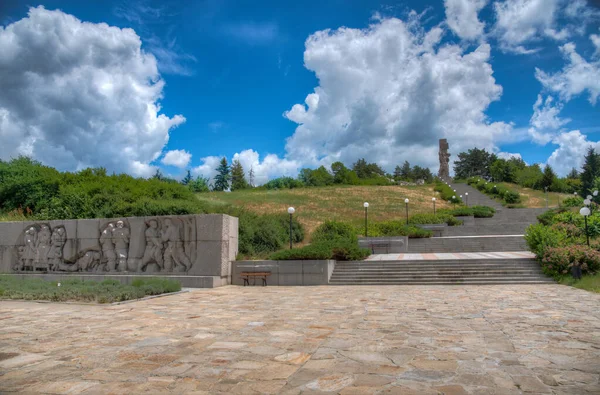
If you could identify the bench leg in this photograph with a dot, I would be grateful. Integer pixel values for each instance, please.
(246, 282)
(264, 281)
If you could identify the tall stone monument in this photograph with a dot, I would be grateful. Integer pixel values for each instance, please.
(444, 172)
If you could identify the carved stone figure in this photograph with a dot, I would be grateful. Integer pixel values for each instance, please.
(121, 240)
(29, 252)
(444, 172)
(154, 247)
(57, 242)
(109, 256)
(174, 253)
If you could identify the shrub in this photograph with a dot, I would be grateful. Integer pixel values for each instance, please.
(398, 228)
(340, 249)
(439, 218)
(334, 230)
(283, 183)
(557, 261)
(446, 192)
(540, 237)
(483, 211)
(260, 234)
(512, 197)
(575, 201)
(547, 218)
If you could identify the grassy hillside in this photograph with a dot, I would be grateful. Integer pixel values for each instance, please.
(316, 205)
(532, 198)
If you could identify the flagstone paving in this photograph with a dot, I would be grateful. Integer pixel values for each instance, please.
(500, 339)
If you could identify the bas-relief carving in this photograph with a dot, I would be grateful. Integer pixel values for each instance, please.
(169, 246)
(444, 172)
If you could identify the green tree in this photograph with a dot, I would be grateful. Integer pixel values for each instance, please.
(316, 178)
(591, 170)
(573, 174)
(549, 177)
(158, 175)
(200, 184)
(421, 173)
(405, 171)
(238, 178)
(474, 163)
(223, 176)
(187, 179)
(343, 175)
(364, 170)
(397, 173)
(530, 177)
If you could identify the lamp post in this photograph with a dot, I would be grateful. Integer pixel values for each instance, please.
(406, 203)
(585, 212)
(433, 200)
(546, 191)
(454, 200)
(291, 212)
(460, 197)
(467, 198)
(366, 206)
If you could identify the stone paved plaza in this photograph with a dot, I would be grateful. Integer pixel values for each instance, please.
(496, 339)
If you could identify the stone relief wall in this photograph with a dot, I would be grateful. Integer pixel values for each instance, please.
(191, 244)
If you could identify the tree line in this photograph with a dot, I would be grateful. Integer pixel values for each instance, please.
(233, 177)
(480, 163)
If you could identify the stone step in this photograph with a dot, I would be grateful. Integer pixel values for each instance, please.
(431, 272)
(461, 282)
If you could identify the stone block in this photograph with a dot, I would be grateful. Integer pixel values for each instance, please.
(211, 258)
(212, 227)
(314, 272)
(290, 272)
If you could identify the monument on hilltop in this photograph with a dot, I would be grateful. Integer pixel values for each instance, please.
(444, 172)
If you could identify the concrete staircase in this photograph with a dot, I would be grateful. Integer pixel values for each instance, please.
(501, 233)
(440, 272)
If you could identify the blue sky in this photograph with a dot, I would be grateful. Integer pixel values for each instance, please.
(233, 68)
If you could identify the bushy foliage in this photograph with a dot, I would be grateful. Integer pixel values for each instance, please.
(334, 230)
(339, 250)
(446, 192)
(316, 178)
(575, 201)
(495, 190)
(557, 261)
(474, 163)
(397, 228)
(483, 211)
(540, 237)
(260, 234)
(283, 183)
(107, 291)
(439, 218)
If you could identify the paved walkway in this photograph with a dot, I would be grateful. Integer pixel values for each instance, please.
(451, 255)
(351, 340)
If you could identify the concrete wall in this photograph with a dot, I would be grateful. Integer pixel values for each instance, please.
(384, 245)
(285, 272)
(206, 244)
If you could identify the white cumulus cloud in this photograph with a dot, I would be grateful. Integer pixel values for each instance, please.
(576, 77)
(462, 17)
(572, 147)
(75, 94)
(523, 23)
(389, 92)
(178, 158)
(545, 121)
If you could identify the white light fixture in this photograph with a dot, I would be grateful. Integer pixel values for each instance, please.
(584, 211)
(466, 193)
(587, 202)
(453, 197)
(365, 204)
(461, 196)
(406, 200)
(575, 193)
(291, 210)
(433, 199)
(595, 193)
(589, 197)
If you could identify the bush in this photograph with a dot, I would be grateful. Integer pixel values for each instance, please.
(334, 230)
(340, 250)
(483, 211)
(512, 197)
(440, 218)
(540, 237)
(575, 201)
(508, 196)
(283, 183)
(260, 234)
(397, 228)
(557, 261)
(547, 218)
(446, 192)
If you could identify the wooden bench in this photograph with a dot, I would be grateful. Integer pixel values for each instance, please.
(246, 277)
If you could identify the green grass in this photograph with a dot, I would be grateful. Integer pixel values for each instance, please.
(107, 291)
(533, 198)
(588, 283)
(340, 203)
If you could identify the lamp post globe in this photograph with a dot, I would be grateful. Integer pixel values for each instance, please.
(433, 200)
(574, 193)
(587, 202)
(589, 197)
(406, 203)
(291, 212)
(595, 193)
